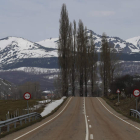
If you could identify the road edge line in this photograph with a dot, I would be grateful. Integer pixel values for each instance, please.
(117, 116)
(45, 122)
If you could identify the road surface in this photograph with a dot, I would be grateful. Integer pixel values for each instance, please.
(81, 118)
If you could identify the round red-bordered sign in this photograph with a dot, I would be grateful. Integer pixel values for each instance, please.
(136, 92)
(27, 96)
(118, 91)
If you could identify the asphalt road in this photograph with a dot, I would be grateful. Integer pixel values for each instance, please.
(105, 125)
(81, 119)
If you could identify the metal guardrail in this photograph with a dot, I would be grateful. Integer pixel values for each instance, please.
(134, 113)
(30, 116)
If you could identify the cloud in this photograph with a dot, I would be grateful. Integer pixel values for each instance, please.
(101, 13)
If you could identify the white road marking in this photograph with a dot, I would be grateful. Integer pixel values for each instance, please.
(87, 133)
(91, 136)
(45, 122)
(87, 116)
(88, 120)
(89, 126)
(118, 117)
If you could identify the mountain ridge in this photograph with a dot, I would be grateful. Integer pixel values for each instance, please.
(135, 41)
(17, 51)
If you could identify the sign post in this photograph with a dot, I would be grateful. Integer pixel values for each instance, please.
(136, 93)
(118, 91)
(27, 96)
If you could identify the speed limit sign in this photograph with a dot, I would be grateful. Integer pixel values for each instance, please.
(27, 96)
(136, 92)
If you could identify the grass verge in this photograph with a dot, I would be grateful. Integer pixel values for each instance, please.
(13, 105)
(124, 106)
(31, 123)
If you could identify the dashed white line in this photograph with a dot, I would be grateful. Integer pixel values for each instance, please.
(91, 136)
(88, 120)
(87, 133)
(89, 126)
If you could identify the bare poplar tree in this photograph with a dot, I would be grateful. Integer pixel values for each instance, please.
(63, 49)
(92, 62)
(58, 86)
(80, 55)
(86, 61)
(114, 65)
(70, 56)
(105, 64)
(73, 59)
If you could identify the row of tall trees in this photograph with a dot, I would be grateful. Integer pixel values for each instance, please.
(108, 64)
(76, 56)
(105, 63)
(92, 64)
(64, 49)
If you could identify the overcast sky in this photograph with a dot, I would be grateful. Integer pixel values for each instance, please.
(37, 20)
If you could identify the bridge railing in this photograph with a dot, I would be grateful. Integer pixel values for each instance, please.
(134, 113)
(29, 117)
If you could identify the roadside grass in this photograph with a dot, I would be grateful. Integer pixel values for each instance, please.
(30, 123)
(13, 105)
(124, 107)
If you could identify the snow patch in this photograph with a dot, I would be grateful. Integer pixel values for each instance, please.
(51, 106)
(134, 40)
(35, 70)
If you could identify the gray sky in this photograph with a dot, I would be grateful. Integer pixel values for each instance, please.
(37, 20)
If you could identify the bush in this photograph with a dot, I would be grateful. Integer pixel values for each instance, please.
(126, 83)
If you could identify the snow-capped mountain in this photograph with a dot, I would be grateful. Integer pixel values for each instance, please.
(116, 44)
(18, 52)
(13, 49)
(135, 41)
(49, 43)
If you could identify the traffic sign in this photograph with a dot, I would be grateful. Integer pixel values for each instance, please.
(109, 90)
(136, 92)
(118, 91)
(27, 96)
